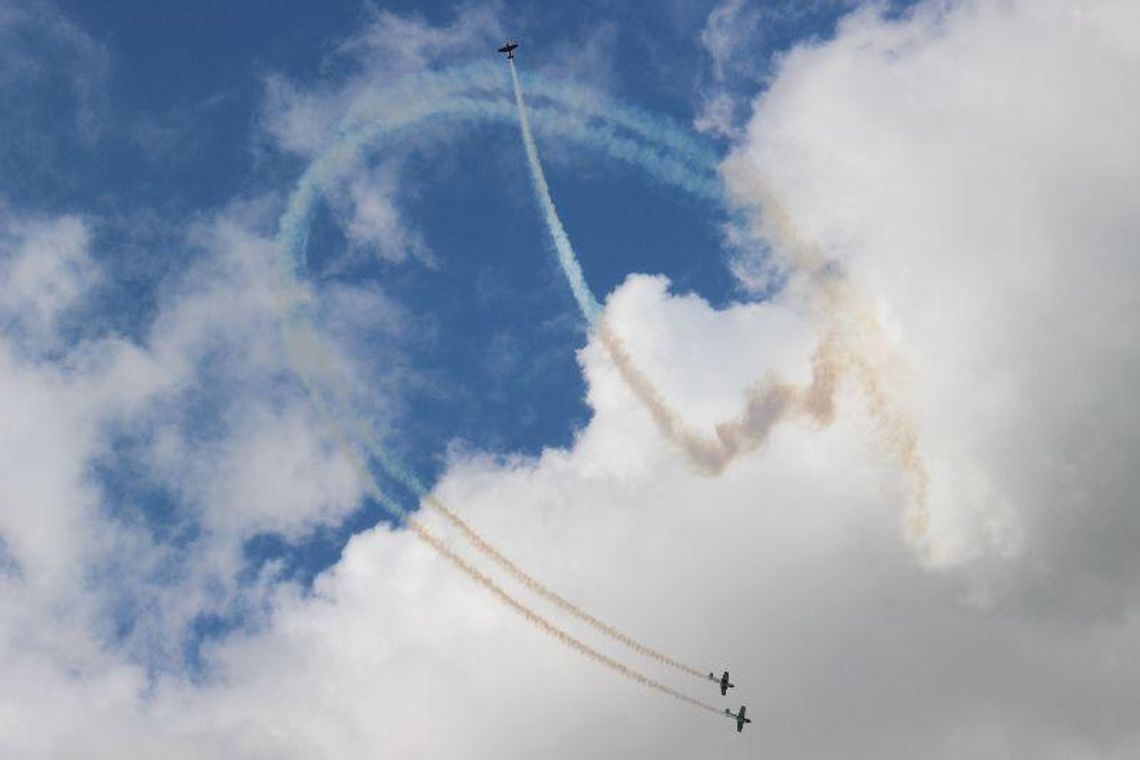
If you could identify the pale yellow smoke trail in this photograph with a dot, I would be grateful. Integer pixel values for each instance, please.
(706, 455)
(549, 628)
(877, 367)
(304, 349)
(526, 579)
(766, 405)
(859, 345)
(853, 345)
(435, 542)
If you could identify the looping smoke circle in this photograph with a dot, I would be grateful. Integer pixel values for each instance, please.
(663, 150)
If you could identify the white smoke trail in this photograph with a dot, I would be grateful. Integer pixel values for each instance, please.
(587, 303)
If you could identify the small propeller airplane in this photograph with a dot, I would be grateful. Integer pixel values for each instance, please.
(723, 681)
(509, 49)
(740, 719)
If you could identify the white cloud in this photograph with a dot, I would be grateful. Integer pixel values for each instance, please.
(742, 40)
(971, 167)
(73, 540)
(45, 270)
(789, 569)
(368, 206)
(302, 120)
(278, 475)
(730, 29)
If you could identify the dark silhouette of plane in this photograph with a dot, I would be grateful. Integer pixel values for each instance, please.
(740, 719)
(509, 49)
(724, 684)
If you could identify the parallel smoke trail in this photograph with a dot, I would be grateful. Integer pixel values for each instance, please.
(551, 629)
(401, 515)
(410, 111)
(488, 549)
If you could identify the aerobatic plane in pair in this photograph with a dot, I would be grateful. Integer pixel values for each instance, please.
(723, 681)
(740, 719)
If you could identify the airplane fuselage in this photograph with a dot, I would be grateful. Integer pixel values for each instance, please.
(739, 717)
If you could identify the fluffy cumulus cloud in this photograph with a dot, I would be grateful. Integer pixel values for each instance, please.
(968, 169)
(971, 167)
(741, 41)
(125, 506)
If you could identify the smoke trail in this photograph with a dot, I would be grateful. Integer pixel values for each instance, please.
(766, 405)
(859, 347)
(775, 400)
(305, 350)
(550, 629)
(488, 549)
(404, 476)
(297, 337)
(706, 455)
(765, 408)
(571, 103)
(566, 258)
(294, 303)
(689, 171)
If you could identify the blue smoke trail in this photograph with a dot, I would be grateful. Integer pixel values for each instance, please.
(485, 81)
(587, 303)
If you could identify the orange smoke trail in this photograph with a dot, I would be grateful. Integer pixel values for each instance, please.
(707, 456)
(549, 628)
(859, 346)
(534, 585)
(767, 404)
(852, 345)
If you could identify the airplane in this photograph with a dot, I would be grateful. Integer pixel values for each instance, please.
(740, 719)
(724, 684)
(509, 49)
